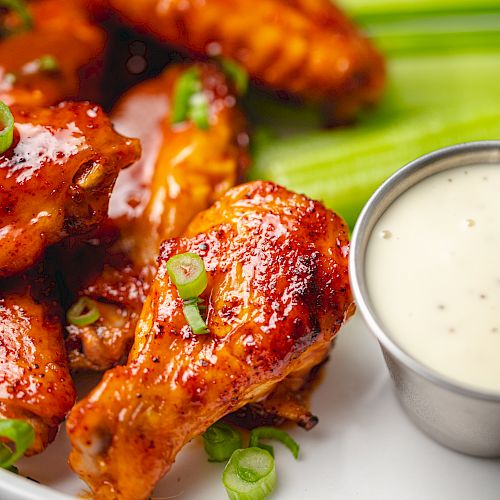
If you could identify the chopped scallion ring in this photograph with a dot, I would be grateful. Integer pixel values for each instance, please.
(250, 474)
(83, 312)
(236, 73)
(20, 8)
(188, 274)
(220, 441)
(193, 317)
(273, 433)
(7, 132)
(20, 434)
(189, 101)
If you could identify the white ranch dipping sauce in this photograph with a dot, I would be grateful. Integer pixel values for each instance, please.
(433, 274)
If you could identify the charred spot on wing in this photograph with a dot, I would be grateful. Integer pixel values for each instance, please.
(304, 284)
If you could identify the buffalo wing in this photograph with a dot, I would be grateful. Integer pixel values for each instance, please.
(308, 48)
(183, 170)
(35, 384)
(278, 291)
(56, 178)
(61, 32)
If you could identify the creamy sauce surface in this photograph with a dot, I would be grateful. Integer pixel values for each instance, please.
(433, 274)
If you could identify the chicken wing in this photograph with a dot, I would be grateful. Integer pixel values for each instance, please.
(35, 384)
(56, 178)
(278, 291)
(59, 30)
(183, 170)
(308, 48)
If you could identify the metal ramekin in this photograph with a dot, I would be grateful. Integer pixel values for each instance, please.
(459, 417)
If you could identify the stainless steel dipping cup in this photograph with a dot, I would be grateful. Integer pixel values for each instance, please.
(459, 417)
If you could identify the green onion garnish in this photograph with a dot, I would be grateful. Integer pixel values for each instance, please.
(20, 8)
(193, 317)
(83, 312)
(236, 73)
(220, 441)
(188, 274)
(48, 64)
(199, 110)
(189, 101)
(20, 434)
(250, 474)
(7, 132)
(273, 433)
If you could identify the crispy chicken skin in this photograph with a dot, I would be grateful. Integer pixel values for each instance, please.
(56, 178)
(183, 170)
(60, 29)
(278, 291)
(35, 384)
(308, 48)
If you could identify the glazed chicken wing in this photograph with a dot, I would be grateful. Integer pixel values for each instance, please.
(183, 170)
(61, 31)
(56, 178)
(35, 384)
(304, 47)
(278, 291)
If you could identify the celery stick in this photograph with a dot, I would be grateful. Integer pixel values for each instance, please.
(452, 33)
(433, 102)
(386, 8)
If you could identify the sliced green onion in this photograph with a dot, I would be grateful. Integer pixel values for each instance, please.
(189, 102)
(250, 474)
(193, 317)
(273, 433)
(199, 110)
(266, 447)
(220, 441)
(83, 312)
(20, 8)
(7, 132)
(236, 73)
(188, 274)
(187, 85)
(48, 64)
(20, 434)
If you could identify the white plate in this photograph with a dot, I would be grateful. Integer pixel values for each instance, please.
(363, 448)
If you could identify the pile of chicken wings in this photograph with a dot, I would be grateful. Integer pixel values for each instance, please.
(93, 206)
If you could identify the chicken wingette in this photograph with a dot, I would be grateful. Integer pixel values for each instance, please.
(56, 177)
(183, 170)
(35, 384)
(278, 292)
(42, 54)
(308, 48)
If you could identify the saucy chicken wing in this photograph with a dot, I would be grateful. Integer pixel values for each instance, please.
(308, 48)
(183, 170)
(35, 384)
(56, 178)
(40, 60)
(278, 292)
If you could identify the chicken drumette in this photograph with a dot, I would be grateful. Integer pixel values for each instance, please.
(35, 384)
(308, 48)
(41, 58)
(278, 291)
(56, 178)
(183, 170)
